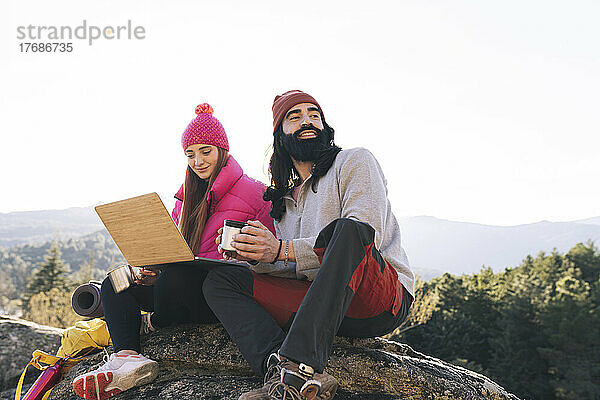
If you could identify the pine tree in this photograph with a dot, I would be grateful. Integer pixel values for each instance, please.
(52, 274)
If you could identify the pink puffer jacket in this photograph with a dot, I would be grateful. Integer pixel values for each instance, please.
(234, 195)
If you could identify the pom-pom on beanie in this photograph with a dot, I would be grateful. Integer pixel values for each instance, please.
(284, 102)
(205, 129)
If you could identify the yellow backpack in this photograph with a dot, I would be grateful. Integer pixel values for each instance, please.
(78, 341)
(84, 338)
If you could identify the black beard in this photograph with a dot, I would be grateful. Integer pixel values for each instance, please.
(305, 149)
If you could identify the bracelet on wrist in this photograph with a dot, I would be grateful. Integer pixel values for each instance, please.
(278, 251)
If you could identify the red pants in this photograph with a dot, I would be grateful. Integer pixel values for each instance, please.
(375, 291)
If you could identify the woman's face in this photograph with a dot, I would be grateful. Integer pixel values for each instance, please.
(202, 158)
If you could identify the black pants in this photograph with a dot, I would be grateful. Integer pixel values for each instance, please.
(356, 294)
(175, 298)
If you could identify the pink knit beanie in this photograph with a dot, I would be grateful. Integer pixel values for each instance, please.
(205, 129)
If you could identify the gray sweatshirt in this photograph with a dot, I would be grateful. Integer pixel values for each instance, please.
(355, 188)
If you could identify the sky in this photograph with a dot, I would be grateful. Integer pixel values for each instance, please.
(477, 111)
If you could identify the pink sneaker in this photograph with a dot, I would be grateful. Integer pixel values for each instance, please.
(119, 373)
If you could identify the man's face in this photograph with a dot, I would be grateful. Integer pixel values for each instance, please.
(303, 132)
(301, 116)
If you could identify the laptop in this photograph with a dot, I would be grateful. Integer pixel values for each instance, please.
(146, 235)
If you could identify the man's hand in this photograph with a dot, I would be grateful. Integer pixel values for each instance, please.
(255, 242)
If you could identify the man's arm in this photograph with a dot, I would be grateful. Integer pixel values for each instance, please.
(363, 197)
(363, 192)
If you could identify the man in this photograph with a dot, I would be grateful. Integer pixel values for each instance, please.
(335, 267)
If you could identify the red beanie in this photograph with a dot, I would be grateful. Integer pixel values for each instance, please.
(205, 129)
(284, 102)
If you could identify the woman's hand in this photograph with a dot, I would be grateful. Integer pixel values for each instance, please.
(255, 242)
(148, 276)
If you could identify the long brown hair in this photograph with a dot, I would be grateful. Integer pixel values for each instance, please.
(194, 211)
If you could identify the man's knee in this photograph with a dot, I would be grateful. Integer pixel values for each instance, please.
(346, 228)
(345, 224)
(352, 226)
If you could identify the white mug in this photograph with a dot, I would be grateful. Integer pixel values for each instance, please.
(230, 228)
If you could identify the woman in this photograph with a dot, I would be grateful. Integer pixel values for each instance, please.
(215, 189)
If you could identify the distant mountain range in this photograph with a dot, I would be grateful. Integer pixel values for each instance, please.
(461, 247)
(29, 227)
(434, 245)
(591, 221)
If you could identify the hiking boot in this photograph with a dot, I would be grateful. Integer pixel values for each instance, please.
(300, 382)
(271, 377)
(286, 380)
(119, 373)
(146, 324)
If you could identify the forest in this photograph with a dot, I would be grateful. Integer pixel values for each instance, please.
(82, 259)
(532, 328)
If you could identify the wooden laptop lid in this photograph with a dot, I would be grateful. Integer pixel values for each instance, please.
(144, 231)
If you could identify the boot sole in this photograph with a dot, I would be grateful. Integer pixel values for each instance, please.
(103, 385)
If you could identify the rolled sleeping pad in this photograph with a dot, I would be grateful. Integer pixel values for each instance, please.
(86, 300)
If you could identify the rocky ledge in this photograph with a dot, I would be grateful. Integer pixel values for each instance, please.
(201, 362)
(18, 339)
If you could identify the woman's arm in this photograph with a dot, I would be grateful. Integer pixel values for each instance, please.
(176, 211)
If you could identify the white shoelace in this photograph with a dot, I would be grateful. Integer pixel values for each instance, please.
(108, 362)
(111, 362)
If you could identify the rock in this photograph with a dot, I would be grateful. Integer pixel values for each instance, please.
(18, 339)
(201, 362)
